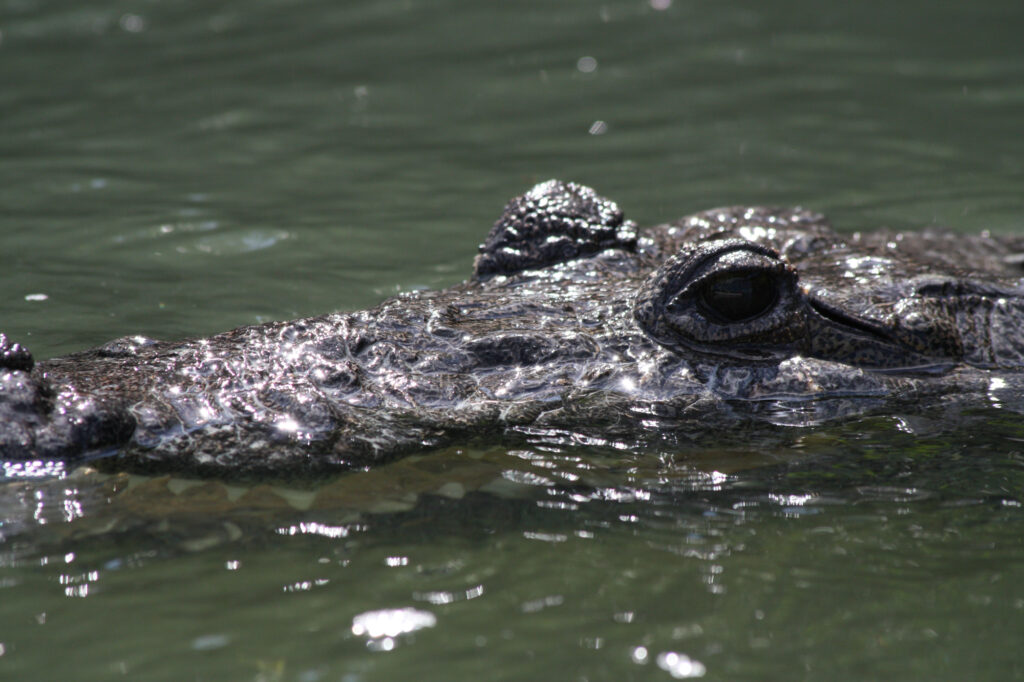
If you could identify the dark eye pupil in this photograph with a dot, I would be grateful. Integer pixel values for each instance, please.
(735, 297)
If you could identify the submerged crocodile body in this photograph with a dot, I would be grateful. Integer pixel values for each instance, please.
(575, 325)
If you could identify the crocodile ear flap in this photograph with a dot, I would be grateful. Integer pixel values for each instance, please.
(553, 223)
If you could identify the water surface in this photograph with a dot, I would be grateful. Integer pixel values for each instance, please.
(179, 168)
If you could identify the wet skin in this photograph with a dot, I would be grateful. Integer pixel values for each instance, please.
(575, 325)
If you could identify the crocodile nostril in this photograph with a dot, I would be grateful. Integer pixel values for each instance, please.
(15, 356)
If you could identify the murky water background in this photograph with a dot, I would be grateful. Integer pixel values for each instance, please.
(179, 168)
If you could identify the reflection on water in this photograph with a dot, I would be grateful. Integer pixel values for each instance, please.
(572, 562)
(176, 169)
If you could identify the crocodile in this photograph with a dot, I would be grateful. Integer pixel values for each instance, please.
(576, 326)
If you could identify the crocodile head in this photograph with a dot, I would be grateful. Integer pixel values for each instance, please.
(574, 326)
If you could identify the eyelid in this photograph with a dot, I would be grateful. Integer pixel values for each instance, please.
(707, 277)
(773, 268)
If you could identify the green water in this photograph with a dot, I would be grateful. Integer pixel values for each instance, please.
(180, 168)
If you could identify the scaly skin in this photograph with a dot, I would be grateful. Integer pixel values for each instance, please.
(574, 325)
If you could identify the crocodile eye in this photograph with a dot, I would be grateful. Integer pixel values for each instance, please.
(724, 297)
(738, 296)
